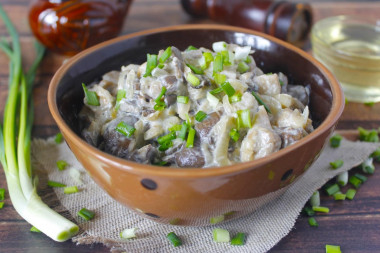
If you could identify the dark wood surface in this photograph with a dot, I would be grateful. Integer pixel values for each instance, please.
(354, 225)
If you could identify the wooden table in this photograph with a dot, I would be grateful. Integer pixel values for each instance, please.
(355, 225)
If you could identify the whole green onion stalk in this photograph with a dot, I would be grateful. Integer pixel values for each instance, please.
(15, 141)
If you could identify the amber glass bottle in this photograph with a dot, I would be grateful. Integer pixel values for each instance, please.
(69, 26)
(288, 21)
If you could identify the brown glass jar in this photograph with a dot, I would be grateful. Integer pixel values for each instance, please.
(288, 21)
(69, 26)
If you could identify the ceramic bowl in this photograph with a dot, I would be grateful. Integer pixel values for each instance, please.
(194, 196)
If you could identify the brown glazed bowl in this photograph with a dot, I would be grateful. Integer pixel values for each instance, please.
(193, 196)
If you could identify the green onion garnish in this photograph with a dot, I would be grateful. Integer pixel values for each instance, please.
(34, 229)
(200, 116)
(207, 59)
(128, 233)
(308, 211)
(260, 101)
(165, 55)
(339, 196)
(248, 59)
(2, 193)
(321, 209)
(342, 178)
(219, 78)
(189, 48)
(238, 240)
(356, 182)
(61, 164)
(216, 91)
(166, 138)
(335, 141)
(218, 63)
(70, 189)
(244, 119)
(1, 205)
(86, 214)
(217, 219)
(350, 194)
(235, 98)
(182, 133)
(376, 155)
(159, 106)
(221, 235)
(119, 96)
(228, 89)
(193, 79)
(162, 93)
(91, 96)
(368, 136)
(313, 222)
(174, 239)
(315, 199)
(332, 249)
(151, 63)
(183, 99)
(125, 129)
(370, 104)
(336, 164)
(55, 184)
(332, 189)
(234, 134)
(226, 57)
(242, 67)
(58, 138)
(367, 166)
(281, 82)
(361, 177)
(175, 128)
(165, 146)
(196, 70)
(160, 65)
(190, 138)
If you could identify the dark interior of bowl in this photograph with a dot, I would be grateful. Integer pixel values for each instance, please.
(269, 56)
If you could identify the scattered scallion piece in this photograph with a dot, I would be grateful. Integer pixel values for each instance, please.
(61, 164)
(332, 249)
(315, 199)
(175, 128)
(206, 60)
(335, 140)
(70, 190)
(350, 194)
(217, 219)
(332, 189)
(34, 229)
(151, 63)
(221, 235)
(55, 184)
(183, 99)
(183, 131)
(248, 59)
(308, 211)
(195, 69)
(376, 155)
(370, 104)
(226, 58)
(189, 48)
(165, 146)
(361, 177)
(125, 129)
(313, 222)
(342, 178)
(336, 164)
(356, 182)
(244, 119)
(160, 96)
(174, 239)
(339, 196)
(1, 205)
(190, 138)
(235, 98)
(218, 63)
(200, 116)
(242, 67)
(238, 240)
(2, 193)
(165, 55)
(119, 96)
(228, 89)
(321, 209)
(367, 166)
(234, 134)
(219, 78)
(128, 233)
(216, 91)
(281, 82)
(91, 96)
(169, 137)
(260, 101)
(58, 138)
(86, 214)
(368, 135)
(193, 79)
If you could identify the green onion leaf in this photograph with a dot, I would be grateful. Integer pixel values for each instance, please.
(151, 63)
(335, 140)
(320, 209)
(342, 178)
(86, 214)
(165, 146)
(217, 219)
(58, 138)
(242, 67)
(61, 164)
(183, 99)
(332, 249)
(182, 133)
(228, 89)
(119, 96)
(356, 182)
(235, 98)
(376, 155)
(128, 233)
(70, 190)
(339, 196)
(238, 240)
(260, 101)
(248, 59)
(315, 199)
(367, 166)
(350, 194)
(361, 177)
(34, 229)
(159, 106)
(234, 134)
(313, 222)
(91, 96)
(370, 104)
(336, 164)
(189, 48)
(125, 129)
(216, 91)
(2, 193)
(332, 189)
(218, 63)
(166, 138)
(244, 119)
(55, 184)
(1, 205)
(308, 211)
(175, 128)
(190, 138)
(174, 239)
(281, 82)
(221, 235)
(219, 78)
(200, 116)
(368, 136)
(196, 70)
(226, 57)
(208, 58)
(193, 79)
(165, 55)
(162, 93)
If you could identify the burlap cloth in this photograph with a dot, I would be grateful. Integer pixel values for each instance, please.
(264, 228)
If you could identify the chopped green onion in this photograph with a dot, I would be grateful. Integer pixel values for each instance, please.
(55, 184)
(61, 164)
(160, 65)
(367, 166)
(339, 196)
(281, 82)
(91, 96)
(313, 222)
(332, 249)
(321, 209)
(234, 134)
(356, 182)
(193, 79)
(2, 193)
(235, 98)
(242, 67)
(361, 177)
(315, 199)
(342, 178)
(350, 194)
(260, 101)
(162, 93)
(217, 219)
(86, 214)
(228, 89)
(1, 205)
(369, 103)
(165, 146)
(174, 239)
(368, 136)
(218, 63)
(58, 138)
(219, 46)
(189, 48)
(190, 138)
(221, 235)
(207, 59)
(308, 211)
(165, 55)
(332, 189)
(248, 59)
(166, 138)
(226, 57)
(376, 155)
(160, 163)
(219, 78)
(336, 164)
(34, 229)
(159, 106)
(70, 189)
(200, 116)
(244, 119)
(216, 91)
(182, 99)
(175, 128)
(238, 240)
(119, 96)
(335, 140)
(182, 133)
(128, 233)
(195, 69)
(125, 129)
(151, 63)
